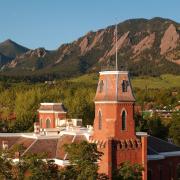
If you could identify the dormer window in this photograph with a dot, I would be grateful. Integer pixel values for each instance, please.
(125, 85)
(101, 85)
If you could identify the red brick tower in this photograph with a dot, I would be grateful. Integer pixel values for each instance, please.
(114, 127)
(114, 105)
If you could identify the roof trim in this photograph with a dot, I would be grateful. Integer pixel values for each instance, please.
(113, 72)
(155, 157)
(46, 103)
(50, 111)
(163, 155)
(111, 102)
(141, 134)
(170, 154)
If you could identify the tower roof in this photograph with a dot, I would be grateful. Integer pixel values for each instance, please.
(114, 86)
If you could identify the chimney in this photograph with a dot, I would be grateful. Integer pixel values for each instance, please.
(36, 128)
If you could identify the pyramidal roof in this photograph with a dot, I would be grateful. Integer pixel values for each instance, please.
(114, 86)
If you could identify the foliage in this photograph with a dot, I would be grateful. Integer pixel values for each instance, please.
(153, 125)
(32, 166)
(174, 130)
(83, 158)
(6, 167)
(39, 168)
(127, 171)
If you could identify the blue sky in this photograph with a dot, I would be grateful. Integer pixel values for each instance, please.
(50, 23)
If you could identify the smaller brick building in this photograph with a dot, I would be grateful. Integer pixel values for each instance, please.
(51, 115)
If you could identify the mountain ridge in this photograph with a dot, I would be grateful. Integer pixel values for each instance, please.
(144, 47)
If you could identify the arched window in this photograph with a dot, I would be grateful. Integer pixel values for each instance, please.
(41, 123)
(99, 120)
(48, 123)
(123, 120)
(101, 84)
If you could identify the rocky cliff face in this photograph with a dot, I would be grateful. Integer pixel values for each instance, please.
(170, 40)
(144, 47)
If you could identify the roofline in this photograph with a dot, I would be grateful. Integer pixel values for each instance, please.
(141, 134)
(111, 102)
(113, 72)
(163, 155)
(50, 111)
(170, 154)
(47, 103)
(155, 157)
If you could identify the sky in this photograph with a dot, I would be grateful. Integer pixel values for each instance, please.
(50, 23)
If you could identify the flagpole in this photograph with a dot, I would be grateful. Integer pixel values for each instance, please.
(116, 47)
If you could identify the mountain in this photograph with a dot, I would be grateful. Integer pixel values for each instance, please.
(4, 59)
(145, 46)
(11, 49)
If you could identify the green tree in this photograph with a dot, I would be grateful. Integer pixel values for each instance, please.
(127, 171)
(157, 128)
(39, 168)
(5, 166)
(83, 158)
(31, 166)
(174, 130)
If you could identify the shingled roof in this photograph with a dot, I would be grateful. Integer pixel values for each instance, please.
(110, 87)
(52, 107)
(158, 148)
(54, 146)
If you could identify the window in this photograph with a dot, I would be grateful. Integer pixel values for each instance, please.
(41, 123)
(48, 123)
(125, 85)
(123, 120)
(100, 120)
(101, 84)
